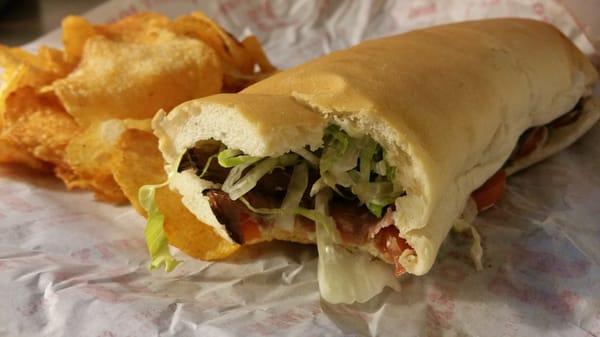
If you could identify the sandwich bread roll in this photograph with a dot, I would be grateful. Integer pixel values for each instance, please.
(447, 106)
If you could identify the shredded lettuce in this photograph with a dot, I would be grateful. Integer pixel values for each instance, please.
(234, 175)
(346, 276)
(336, 144)
(266, 211)
(156, 240)
(249, 180)
(288, 159)
(464, 223)
(381, 168)
(376, 209)
(356, 163)
(345, 162)
(237, 185)
(207, 165)
(369, 147)
(391, 173)
(231, 157)
(308, 156)
(295, 190)
(317, 186)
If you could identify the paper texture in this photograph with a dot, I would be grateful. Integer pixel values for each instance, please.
(70, 266)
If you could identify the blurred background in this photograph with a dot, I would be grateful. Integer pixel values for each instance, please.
(23, 20)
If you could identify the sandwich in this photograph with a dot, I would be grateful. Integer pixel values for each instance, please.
(376, 152)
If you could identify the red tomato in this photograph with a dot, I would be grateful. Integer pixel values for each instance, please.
(531, 142)
(490, 192)
(389, 242)
(249, 228)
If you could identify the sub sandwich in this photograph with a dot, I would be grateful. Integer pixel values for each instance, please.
(375, 152)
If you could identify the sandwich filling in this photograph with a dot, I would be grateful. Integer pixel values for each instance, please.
(532, 140)
(256, 195)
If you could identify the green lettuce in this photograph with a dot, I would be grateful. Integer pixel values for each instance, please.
(156, 240)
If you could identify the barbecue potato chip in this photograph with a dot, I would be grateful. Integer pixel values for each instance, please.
(124, 80)
(138, 162)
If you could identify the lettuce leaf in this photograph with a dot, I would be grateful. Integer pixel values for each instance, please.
(156, 240)
(358, 164)
(231, 157)
(346, 276)
(295, 190)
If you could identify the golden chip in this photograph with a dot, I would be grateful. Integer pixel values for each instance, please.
(139, 162)
(199, 26)
(123, 80)
(75, 32)
(89, 154)
(38, 124)
(254, 49)
(136, 28)
(11, 153)
(64, 111)
(22, 68)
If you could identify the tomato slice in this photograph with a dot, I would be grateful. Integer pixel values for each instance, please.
(389, 242)
(249, 228)
(532, 140)
(490, 192)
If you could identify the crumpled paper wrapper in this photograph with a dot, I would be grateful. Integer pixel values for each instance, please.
(70, 266)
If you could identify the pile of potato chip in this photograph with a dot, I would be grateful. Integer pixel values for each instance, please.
(83, 113)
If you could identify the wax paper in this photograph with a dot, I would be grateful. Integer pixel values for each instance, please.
(70, 266)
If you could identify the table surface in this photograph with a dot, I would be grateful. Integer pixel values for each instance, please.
(24, 20)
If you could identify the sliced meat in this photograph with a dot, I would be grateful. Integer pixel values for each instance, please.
(355, 223)
(241, 223)
(352, 220)
(275, 183)
(197, 157)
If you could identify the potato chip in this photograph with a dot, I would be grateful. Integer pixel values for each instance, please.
(38, 124)
(22, 68)
(23, 72)
(139, 162)
(64, 111)
(11, 153)
(136, 28)
(254, 49)
(197, 25)
(75, 32)
(239, 58)
(89, 155)
(109, 84)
